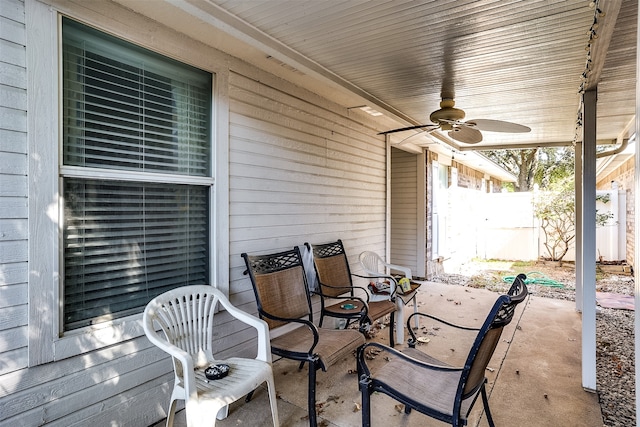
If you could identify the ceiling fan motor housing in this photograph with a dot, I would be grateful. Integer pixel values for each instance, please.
(447, 114)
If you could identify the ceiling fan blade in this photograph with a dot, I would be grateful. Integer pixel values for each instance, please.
(407, 128)
(497, 126)
(466, 134)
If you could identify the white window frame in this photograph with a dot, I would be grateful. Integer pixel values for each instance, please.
(44, 41)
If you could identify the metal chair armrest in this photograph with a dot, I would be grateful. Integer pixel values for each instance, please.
(310, 325)
(392, 282)
(363, 368)
(412, 341)
(347, 288)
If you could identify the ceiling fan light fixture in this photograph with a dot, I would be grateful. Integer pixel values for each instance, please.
(447, 113)
(449, 119)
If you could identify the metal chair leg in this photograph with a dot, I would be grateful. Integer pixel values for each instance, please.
(311, 402)
(485, 402)
(366, 401)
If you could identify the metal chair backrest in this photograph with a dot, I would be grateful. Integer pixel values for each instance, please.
(280, 286)
(488, 337)
(332, 269)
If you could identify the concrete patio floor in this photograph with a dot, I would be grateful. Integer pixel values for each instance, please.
(534, 375)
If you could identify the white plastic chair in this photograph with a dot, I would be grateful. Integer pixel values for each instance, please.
(374, 266)
(185, 315)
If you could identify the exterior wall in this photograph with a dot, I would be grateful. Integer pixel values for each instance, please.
(404, 209)
(300, 169)
(472, 179)
(468, 178)
(13, 188)
(624, 177)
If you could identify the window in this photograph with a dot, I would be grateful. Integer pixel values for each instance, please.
(135, 173)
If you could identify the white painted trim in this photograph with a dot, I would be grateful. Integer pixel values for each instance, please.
(387, 253)
(42, 137)
(220, 262)
(636, 231)
(421, 222)
(579, 228)
(114, 175)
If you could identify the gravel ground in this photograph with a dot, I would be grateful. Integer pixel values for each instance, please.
(614, 328)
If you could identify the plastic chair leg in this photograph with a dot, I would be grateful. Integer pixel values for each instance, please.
(223, 413)
(271, 388)
(171, 412)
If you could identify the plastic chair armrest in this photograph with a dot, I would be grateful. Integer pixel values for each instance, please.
(185, 359)
(405, 270)
(264, 352)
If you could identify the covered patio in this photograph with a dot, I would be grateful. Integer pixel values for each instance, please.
(533, 375)
(296, 102)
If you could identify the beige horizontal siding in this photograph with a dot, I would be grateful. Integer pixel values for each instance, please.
(301, 170)
(404, 211)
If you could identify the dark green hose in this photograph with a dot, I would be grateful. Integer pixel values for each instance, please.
(536, 278)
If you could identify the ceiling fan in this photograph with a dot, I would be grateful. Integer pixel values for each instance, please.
(448, 118)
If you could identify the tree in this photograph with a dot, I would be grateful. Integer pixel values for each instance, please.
(555, 165)
(556, 211)
(521, 163)
(542, 166)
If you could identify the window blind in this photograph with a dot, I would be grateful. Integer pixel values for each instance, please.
(126, 109)
(125, 243)
(128, 239)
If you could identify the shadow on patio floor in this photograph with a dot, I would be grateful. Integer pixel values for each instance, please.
(534, 375)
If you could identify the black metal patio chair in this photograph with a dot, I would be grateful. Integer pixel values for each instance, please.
(339, 298)
(282, 295)
(432, 386)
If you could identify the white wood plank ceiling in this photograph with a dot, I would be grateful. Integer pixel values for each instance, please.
(514, 60)
(518, 61)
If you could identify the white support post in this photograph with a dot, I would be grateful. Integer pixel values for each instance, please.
(421, 212)
(636, 231)
(589, 100)
(387, 231)
(578, 243)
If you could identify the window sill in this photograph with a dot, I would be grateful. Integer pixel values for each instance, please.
(93, 338)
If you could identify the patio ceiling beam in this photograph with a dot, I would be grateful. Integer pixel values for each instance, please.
(610, 10)
(517, 146)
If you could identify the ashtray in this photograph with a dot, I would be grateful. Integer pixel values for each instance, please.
(348, 306)
(215, 372)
